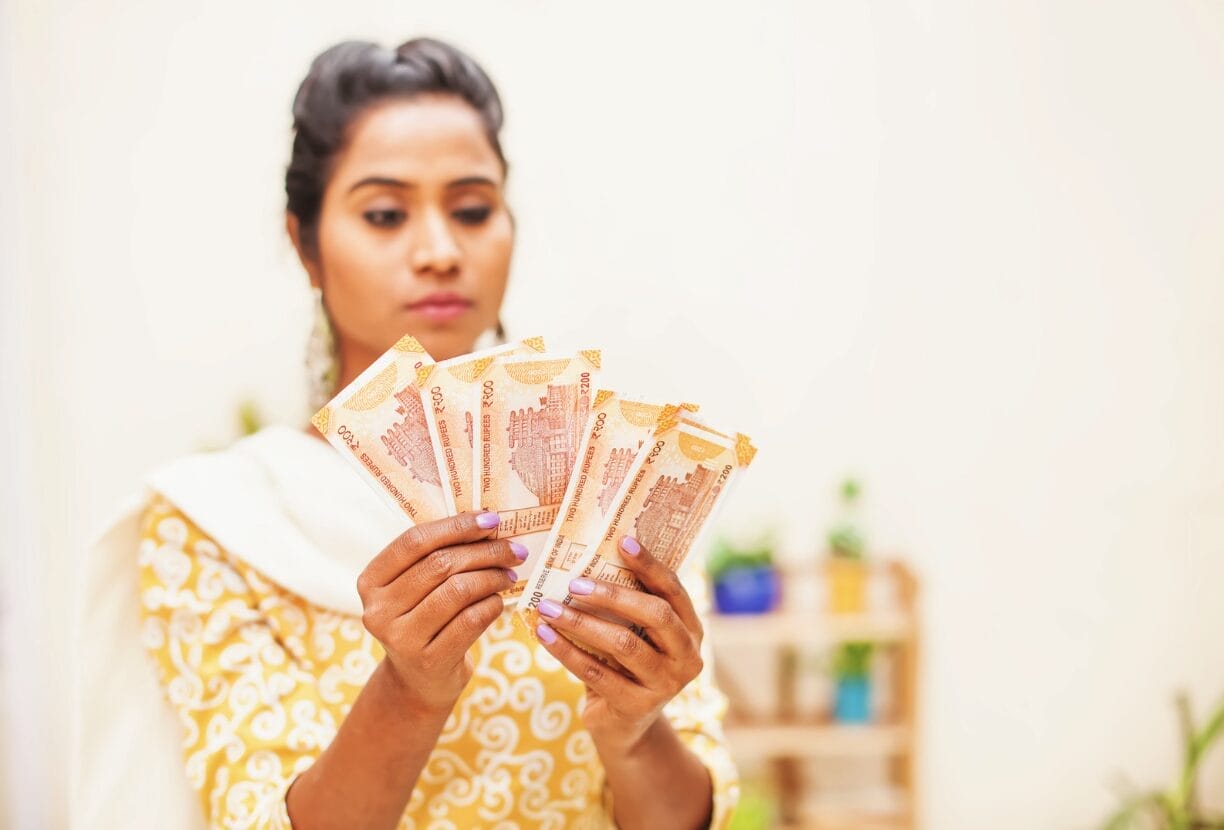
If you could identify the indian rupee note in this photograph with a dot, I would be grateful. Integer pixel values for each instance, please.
(669, 497)
(532, 414)
(449, 390)
(377, 422)
(615, 431)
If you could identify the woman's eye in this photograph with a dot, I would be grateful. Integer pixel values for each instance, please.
(472, 215)
(384, 218)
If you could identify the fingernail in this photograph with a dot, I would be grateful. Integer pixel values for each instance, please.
(581, 586)
(488, 521)
(512, 574)
(630, 546)
(550, 609)
(546, 634)
(520, 551)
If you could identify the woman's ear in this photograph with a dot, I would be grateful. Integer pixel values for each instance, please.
(309, 262)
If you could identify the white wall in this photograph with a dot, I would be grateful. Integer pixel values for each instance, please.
(972, 252)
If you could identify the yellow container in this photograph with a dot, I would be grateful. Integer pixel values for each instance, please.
(847, 581)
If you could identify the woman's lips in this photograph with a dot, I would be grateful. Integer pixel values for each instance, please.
(440, 308)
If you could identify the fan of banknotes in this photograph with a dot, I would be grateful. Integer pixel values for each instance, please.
(569, 466)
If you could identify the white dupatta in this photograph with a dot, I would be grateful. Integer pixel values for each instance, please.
(280, 500)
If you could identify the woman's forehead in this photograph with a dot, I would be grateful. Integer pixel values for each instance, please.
(423, 140)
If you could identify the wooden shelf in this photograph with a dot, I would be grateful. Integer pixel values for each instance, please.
(792, 748)
(778, 740)
(800, 628)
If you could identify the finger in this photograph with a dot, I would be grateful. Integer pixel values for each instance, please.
(414, 584)
(652, 613)
(617, 641)
(452, 597)
(604, 680)
(661, 581)
(421, 540)
(460, 633)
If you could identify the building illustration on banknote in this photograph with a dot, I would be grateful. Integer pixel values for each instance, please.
(407, 440)
(544, 442)
(619, 463)
(674, 512)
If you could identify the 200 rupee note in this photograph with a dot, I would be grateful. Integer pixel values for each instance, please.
(667, 502)
(449, 390)
(532, 414)
(377, 422)
(616, 429)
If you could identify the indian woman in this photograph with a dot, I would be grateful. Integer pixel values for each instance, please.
(304, 660)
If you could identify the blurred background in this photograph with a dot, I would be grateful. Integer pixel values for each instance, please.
(957, 267)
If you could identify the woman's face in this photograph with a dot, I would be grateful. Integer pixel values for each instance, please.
(414, 234)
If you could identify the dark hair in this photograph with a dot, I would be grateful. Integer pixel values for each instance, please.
(348, 79)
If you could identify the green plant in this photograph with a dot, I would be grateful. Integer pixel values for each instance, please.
(1176, 808)
(727, 556)
(757, 809)
(845, 538)
(853, 660)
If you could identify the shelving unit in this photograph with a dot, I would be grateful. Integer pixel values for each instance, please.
(787, 740)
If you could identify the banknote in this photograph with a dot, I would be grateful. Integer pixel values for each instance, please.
(377, 422)
(616, 428)
(668, 498)
(449, 389)
(532, 414)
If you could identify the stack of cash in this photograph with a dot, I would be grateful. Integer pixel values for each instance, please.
(570, 467)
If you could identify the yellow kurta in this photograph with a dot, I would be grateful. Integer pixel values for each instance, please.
(261, 680)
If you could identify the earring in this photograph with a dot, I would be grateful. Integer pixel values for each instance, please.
(321, 363)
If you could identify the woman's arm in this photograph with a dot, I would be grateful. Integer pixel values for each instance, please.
(256, 718)
(655, 779)
(365, 776)
(428, 597)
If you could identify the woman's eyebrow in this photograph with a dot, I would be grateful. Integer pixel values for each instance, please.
(386, 181)
(382, 181)
(471, 180)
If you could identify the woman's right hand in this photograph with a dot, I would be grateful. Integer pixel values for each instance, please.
(429, 595)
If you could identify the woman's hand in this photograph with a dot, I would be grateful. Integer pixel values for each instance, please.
(429, 595)
(622, 707)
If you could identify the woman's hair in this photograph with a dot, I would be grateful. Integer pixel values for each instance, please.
(351, 77)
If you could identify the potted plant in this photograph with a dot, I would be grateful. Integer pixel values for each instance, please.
(745, 579)
(1177, 808)
(852, 670)
(845, 568)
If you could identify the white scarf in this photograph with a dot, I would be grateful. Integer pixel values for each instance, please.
(282, 501)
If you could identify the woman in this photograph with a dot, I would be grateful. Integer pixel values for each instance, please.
(410, 700)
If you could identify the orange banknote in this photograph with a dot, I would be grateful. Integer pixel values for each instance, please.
(449, 390)
(616, 429)
(667, 501)
(377, 422)
(532, 415)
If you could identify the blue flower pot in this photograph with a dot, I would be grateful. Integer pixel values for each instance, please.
(747, 591)
(853, 702)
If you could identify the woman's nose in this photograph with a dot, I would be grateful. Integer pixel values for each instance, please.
(435, 250)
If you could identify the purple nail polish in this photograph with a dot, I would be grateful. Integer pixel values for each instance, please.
(488, 521)
(550, 609)
(630, 546)
(512, 574)
(546, 634)
(581, 586)
(520, 551)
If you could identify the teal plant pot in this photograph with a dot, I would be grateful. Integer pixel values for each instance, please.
(853, 701)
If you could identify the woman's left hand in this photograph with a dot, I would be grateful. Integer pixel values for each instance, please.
(620, 707)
